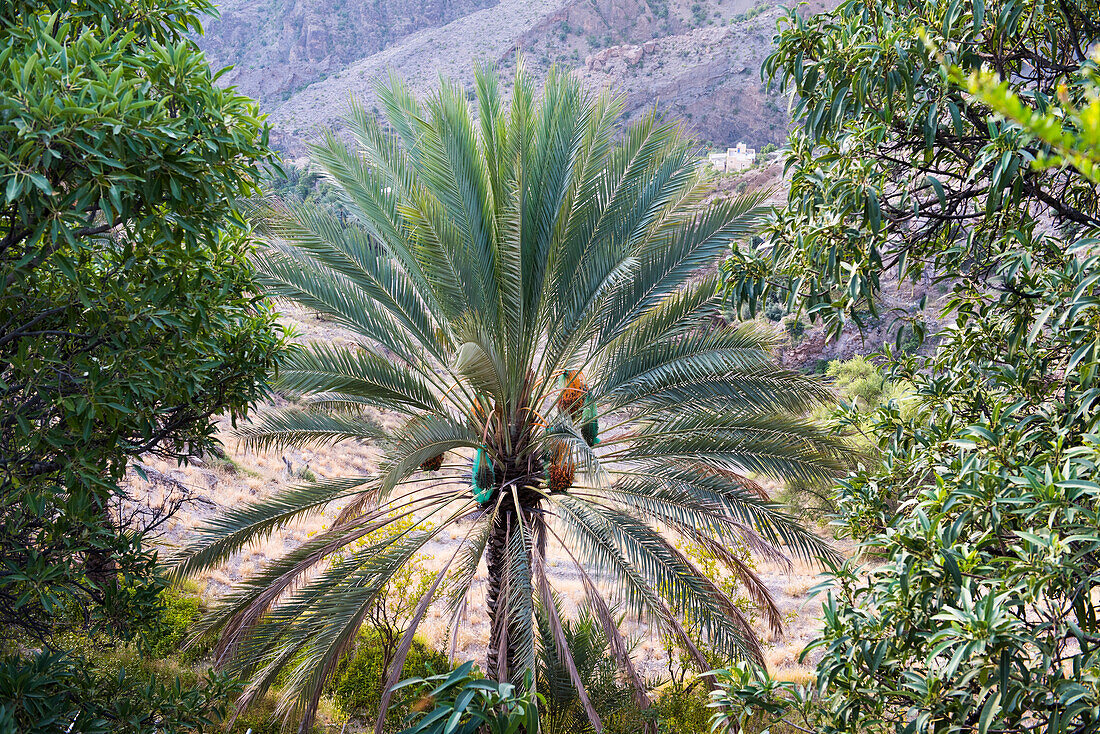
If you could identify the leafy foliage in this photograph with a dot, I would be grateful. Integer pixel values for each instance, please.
(984, 504)
(48, 692)
(748, 700)
(128, 314)
(1072, 129)
(895, 165)
(494, 249)
(464, 703)
(359, 682)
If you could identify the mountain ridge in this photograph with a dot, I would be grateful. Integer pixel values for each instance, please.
(698, 60)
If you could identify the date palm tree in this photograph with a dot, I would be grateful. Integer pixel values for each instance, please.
(526, 283)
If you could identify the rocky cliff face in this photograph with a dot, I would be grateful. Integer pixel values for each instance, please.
(278, 47)
(451, 50)
(697, 60)
(715, 87)
(305, 60)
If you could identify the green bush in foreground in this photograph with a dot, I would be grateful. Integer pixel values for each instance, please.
(358, 683)
(462, 702)
(103, 691)
(129, 319)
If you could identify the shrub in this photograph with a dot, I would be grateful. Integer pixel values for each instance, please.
(775, 310)
(177, 613)
(357, 685)
(859, 381)
(795, 327)
(682, 709)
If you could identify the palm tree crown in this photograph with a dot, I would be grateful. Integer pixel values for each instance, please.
(524, 281)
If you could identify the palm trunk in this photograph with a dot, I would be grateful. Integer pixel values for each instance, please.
(501, 656)
(496, 555)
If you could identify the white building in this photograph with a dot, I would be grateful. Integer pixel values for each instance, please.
(734, 159)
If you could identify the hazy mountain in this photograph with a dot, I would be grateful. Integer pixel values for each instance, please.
(305, 60)
(278, 47)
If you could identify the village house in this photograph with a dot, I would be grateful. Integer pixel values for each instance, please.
(734, 159)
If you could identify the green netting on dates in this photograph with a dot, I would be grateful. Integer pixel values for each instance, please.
(482, 477)
(590, 428)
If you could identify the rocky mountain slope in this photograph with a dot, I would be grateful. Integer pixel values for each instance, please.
(305, 60)
(699, 61)
(278, 47)
(420, 59)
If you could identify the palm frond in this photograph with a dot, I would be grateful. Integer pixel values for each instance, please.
(680, 313)
(314, 626)
(297, 426)
(419, 439)
(708, 484)
(225, 534)
(293, 276)
(696, 241)
(684, 587)
(405, 645)
(235, 614)
(561, 645)
(347, 250)
(519, 602)
(690, 384)
(621, 651)
(597, 549)
(325, 370)
(777, 446)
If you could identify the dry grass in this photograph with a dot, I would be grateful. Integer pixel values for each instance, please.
(799, 674)
(797, 588)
